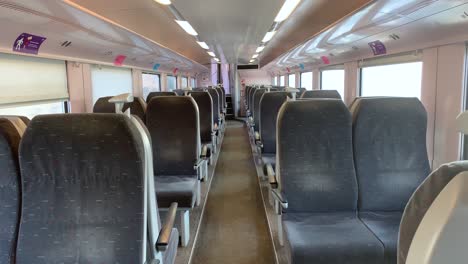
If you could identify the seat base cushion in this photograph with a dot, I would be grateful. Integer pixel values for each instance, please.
(269, 158)
(179, 189)
(330, 238)
(171, 251)
(385, 225)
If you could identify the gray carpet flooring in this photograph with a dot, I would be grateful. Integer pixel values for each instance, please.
(234, 227)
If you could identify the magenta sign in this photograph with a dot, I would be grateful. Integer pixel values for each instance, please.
(27, 43)
(378, 47)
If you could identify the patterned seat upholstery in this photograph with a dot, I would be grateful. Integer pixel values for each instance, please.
(390, 154)
(316, 174)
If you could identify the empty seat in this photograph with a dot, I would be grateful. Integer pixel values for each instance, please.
(318, 187)
(320, 94)
(270, 105)
(85, 179)
(250, 99)
(137, 107)
(216, 107)
(389, 139)
(256, 108)
(222, 95)
(11, 131)
(205, 108)
(157, 94)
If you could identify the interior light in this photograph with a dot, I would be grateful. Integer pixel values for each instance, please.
(187, 27)
(255, 56)
(251, 61)
(211, 54)
(286, 10)
(260, 49)
(203, 45)
(164, 2)
(216, 59)
(268, 36)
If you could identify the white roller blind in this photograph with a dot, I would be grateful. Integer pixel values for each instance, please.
(27, 79)
(110, 81)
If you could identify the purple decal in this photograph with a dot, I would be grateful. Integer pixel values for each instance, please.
(378, 47)
(27, 43)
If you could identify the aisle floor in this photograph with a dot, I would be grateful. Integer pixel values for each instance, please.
(234, 227)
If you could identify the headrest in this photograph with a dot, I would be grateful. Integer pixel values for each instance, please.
(156, 94)
(13, 128)
(321, 94)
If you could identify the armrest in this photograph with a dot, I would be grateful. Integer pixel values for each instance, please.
(205, 152)
(198, 163)
(270, 173)
(166, 230)
(258, 142)
(281, 198)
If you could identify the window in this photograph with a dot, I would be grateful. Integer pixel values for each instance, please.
(33, 110)
(403, 80)
(26, 79)
(274, 81)
(193, 82)
(151, 83)
(110, 81)
(171, 83)
(307, 80)
(292, 80)
(184, 82)
(282, 81)
(333, 80)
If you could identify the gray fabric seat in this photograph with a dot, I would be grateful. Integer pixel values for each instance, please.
(137, 107)
(256, 107)
(320, 94)
(11, 131)
(174, 188)
(157, 94)
(250, 99)
(390, 168)
(316, 175)
(83, 200)
(216, 106)
(205, 108)
(222, 95)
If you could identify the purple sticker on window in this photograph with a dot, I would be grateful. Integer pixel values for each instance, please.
(27, 43)
(378, 47)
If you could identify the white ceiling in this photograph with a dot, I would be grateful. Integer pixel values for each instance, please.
(232, 28)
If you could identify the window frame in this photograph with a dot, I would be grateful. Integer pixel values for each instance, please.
(152, 73)
(464, 138)
(65, 104)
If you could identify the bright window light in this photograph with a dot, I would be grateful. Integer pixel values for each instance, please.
(211, 54)
(286, 10)
(203, 45)
(307, 80)
(164, 2)
(292, 80)
(260, 49)
(255, 56)
(282, 83)
(187, 27)
(34, 109)
(268, 36)
(333, 80)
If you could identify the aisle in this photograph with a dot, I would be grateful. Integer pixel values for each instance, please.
(234, 228)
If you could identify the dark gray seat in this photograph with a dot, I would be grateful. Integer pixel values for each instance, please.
(250, 99)
(84, 185)
(157, 94)
(179, 92)
(222, 95)
(216, 107)
(390, 154)
(318, 186)
(270, 105)
(11, 131)
(205, 108)
(256, 108)
(137, 107)
(320, 94)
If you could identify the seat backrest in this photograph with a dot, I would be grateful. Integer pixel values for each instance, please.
(270, 105)
(83, 195)
(137, 107)
(390, 154)
(102, 106)
(301, 92)
(11, 131)
(157, 94)
(256, 107)
(315, 165)
(321, 94)
(205, 109)
(174, 126)
(222, 97)
(250, 98)
(420, 203)
(216, 105)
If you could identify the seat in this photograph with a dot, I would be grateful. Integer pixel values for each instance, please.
(179, 92)
(137, 107)
(270, 105)
(205, 108)
(174, 126)
(256, 108)
(317, 188)
(216, 109)
(222, 95)
(85, 180)
(250, 99)
(389, 142)
(320, 94)
(11, 131)
(157, 94)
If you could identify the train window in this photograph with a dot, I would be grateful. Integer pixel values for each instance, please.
(151, 83)
(29, 79)
(333, 80)
(171, 83)
(184, 82)
(110, 81)
(282, 81)
(34, 109)
(307, 79)
(193, 83)
(403, 80)
(292, 80)
(274, 81)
